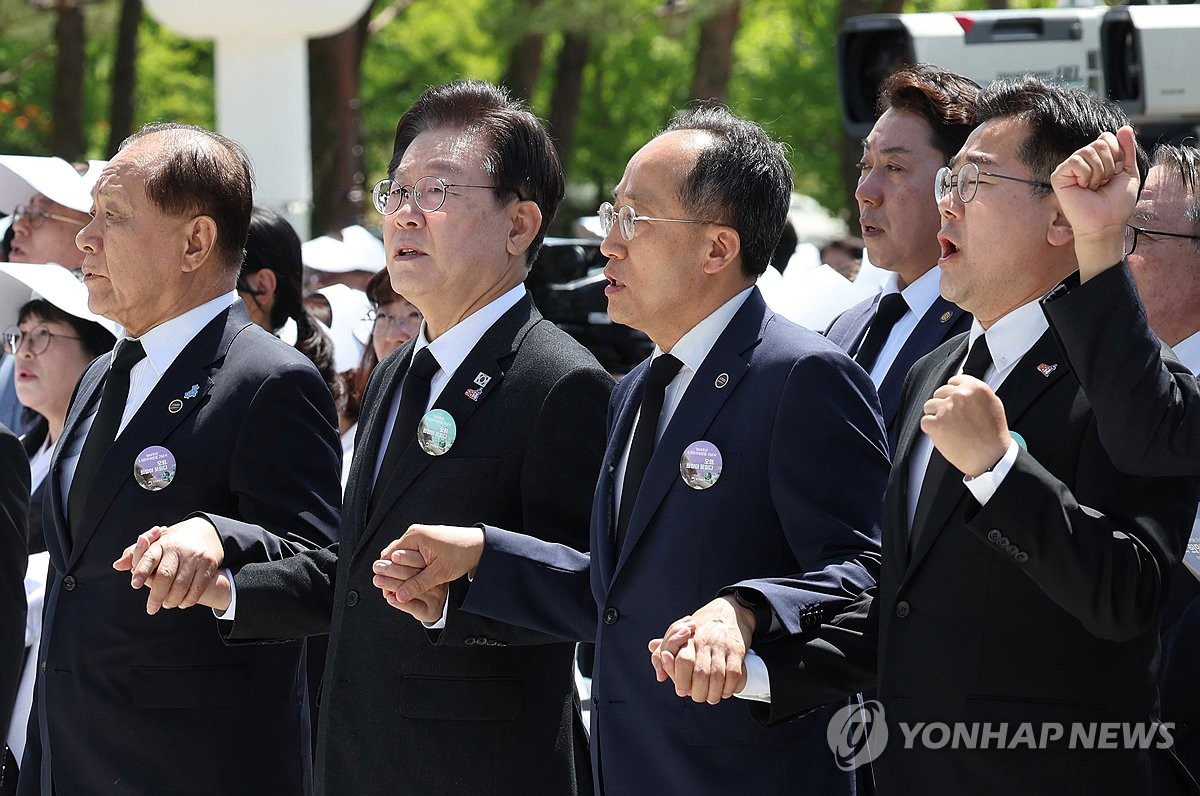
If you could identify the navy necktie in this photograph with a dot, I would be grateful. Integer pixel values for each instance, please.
(892, 307)
(414, 395)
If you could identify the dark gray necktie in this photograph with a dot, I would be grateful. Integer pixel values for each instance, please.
(414, 396)
(891, 309)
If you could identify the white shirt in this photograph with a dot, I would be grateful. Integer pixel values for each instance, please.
(919, 296)
(691, 350)
(1188, 351)
(1009, 339)
(163, 344)
(450, 350)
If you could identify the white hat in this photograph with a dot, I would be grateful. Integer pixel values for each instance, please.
(358, 250)
(22, 176)
(22, 282)
(349, 328)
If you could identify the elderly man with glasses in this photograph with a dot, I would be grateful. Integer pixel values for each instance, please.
(746, 447)
(491, 413)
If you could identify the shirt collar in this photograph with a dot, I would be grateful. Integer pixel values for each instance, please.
(1011, 337)
(694, 346)
(920, 295)
(1188, 351)
(164, 343)
(453, 346)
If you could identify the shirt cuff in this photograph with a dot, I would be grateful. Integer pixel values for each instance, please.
(758, 681)
(984, 485)
(228, 613)
(441, 623)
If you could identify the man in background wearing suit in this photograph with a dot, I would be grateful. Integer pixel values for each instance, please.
(927, 113)
(745, 447)
(197, 408)
(491, 413)
(1161, 247)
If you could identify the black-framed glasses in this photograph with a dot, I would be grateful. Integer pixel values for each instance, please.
(1132, 233)
(37, 217)
(626, 218)
(37, 339)
(428, 194)
(967, 181)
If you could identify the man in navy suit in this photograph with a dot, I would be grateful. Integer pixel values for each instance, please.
(745, 447)
(926, 115)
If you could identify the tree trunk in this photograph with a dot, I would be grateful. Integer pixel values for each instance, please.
(66, 139)
(714, 55)
(524, 59)
(124, 77)
(335, 62)
(568, 92)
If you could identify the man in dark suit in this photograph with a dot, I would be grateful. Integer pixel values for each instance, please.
(490, 413)
(1024, 575)
(14, 512)
(196, 409)
(926, 115)
(1162, 259)
(745, 447)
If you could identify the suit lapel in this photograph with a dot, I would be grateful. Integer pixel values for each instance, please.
(87, 395)
(187, 380)
(491, 355)
(849, 330)
(730, 356)
(629, 395)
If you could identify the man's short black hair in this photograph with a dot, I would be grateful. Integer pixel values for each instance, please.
(521, 157)
(742, 178)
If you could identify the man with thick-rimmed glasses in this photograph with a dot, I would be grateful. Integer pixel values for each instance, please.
(491, 413)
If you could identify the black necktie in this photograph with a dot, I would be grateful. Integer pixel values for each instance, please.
(662, 371)
(891, 309)
(103, 432)
(976, 364)
(414, 395)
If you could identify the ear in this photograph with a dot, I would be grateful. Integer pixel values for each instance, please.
(724, 250)
(201, 238)
(1060, 233)
(526, 220)
(264, 281)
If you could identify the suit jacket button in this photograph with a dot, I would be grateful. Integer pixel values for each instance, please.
(611, 615)
(1003, 542)
(902, 609)
(993, 535)
(69, 583)
(469, 641)
(352, 598)
(1021, 557)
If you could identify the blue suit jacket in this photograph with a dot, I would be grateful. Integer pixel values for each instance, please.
(798, 427)
(940, 322)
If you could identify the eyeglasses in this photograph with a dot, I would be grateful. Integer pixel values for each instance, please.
(627, 218)
(37, 217)
(1132, 233)
(428, 194)
(381, 322)
(37, 339)
(967, 181)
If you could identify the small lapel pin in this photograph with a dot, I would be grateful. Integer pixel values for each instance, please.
(482, 379)
(721, 381)
(192, 393)
(175, 406)
(1046, 370)
(474, 394)
(946, 316)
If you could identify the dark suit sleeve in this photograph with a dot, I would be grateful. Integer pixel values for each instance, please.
(1103, 555)
(291, 598)
(1148, 410)
(825, 664)
(828, 468)
(286, 472)
(558, 478)
(14, 513)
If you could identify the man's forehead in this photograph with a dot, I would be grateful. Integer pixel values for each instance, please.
(447, 150)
